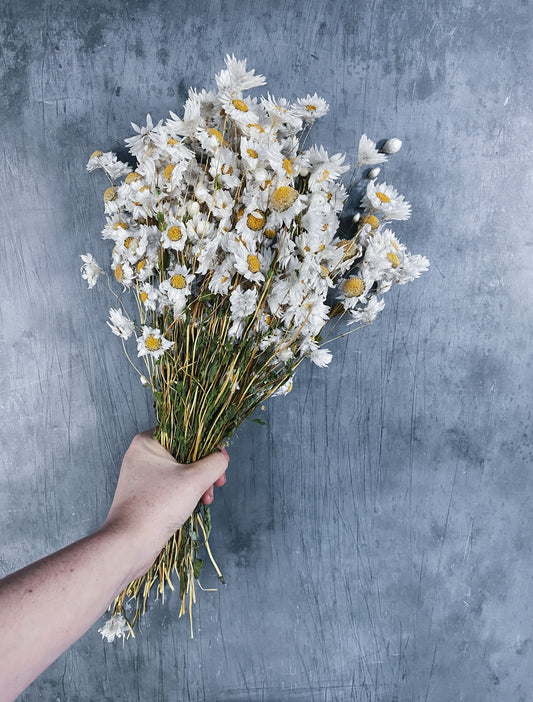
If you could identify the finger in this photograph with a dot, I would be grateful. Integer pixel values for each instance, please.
(223, 450)
(208, 496)
(149, 433)
(210, 468)
(221, 481)
(150, 440)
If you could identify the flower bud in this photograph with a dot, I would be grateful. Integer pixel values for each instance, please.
(260, 174)
(356, 217)
(304, 172)
(391, 146)
(194, 208)
(373, 173)
(144, 380)
(201, 192)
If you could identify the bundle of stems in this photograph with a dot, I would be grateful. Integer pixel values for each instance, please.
(202, 391)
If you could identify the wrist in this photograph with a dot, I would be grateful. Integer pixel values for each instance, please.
(134, 555)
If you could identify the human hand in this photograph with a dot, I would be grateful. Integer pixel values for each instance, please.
(155, 494)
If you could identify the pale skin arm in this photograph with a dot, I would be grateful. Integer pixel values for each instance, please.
(48, 605)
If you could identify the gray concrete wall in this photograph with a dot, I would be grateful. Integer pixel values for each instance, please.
(376, 537)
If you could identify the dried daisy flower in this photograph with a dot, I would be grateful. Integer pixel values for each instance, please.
(116, 627)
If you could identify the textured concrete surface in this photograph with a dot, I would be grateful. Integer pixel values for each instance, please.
(376, 538)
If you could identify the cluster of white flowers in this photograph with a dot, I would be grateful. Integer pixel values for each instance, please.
(225, 200)
(115, 627)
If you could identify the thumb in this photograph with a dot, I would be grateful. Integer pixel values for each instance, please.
(210, 468)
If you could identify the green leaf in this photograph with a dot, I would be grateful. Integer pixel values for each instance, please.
(207, 520)
(161, 224)
(183, 584)
(197, 567)
(259, 421)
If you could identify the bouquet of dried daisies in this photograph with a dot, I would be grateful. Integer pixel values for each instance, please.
(226, 235)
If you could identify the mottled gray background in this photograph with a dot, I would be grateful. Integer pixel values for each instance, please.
(376, 535)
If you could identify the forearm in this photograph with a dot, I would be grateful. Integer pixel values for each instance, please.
(48, 605)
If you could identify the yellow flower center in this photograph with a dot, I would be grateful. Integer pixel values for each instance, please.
(132, 177)
(218, 136)
(172, 142)
(144, 188)
(174, 233)
(353, 287)
(178, 281)
(144, 296)
(254, 125)
(270, 233)
(110, 194)
(119, 273)
(141, 265)
(287, 166)
(240, 105)
(128, 241)
(121, 225)
(226, 170)
(252, 153)
(240, 212)
(283, 198)
(383, 197)
(370, 219)
(324, 176)
(168, 171)
(253, 263)
(152, 343)
(97, 154)
(393, 260)
(310, 108)
(256, 220)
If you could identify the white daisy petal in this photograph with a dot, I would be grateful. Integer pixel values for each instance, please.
(120, 324)
(152, 343)
(368, 154)
(90, 271)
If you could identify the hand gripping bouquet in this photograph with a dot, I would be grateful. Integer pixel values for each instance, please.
(226, 236)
